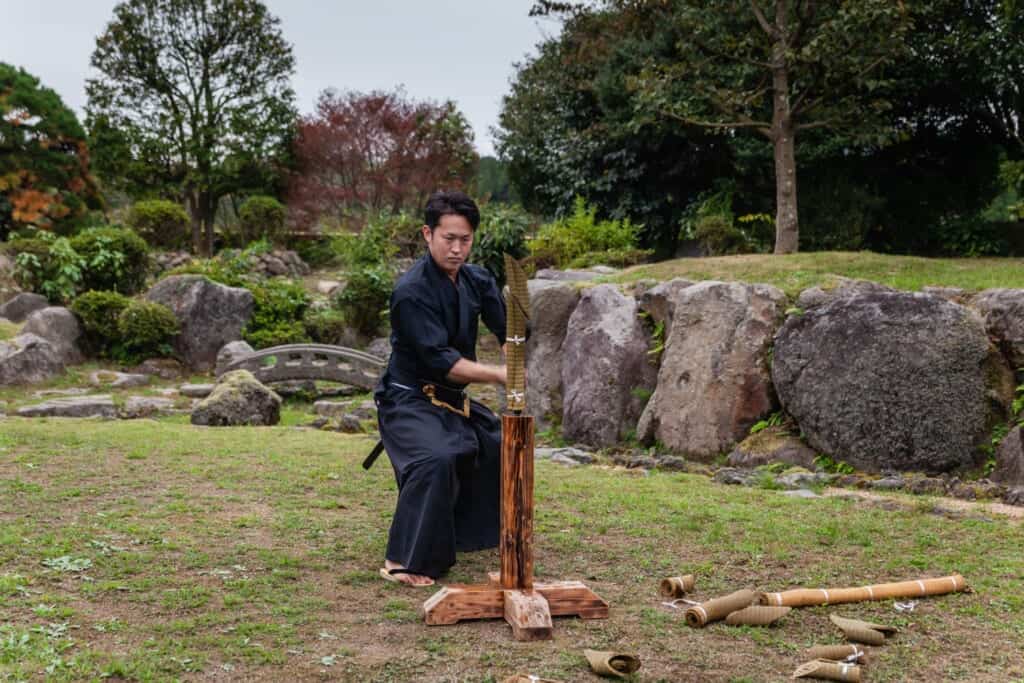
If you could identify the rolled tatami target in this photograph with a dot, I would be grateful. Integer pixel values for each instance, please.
(611, 663)
(719, 608)
(677, 586)
(862, 631)
(829, 671)
(757, 615)
(837, 653)
(805, 597)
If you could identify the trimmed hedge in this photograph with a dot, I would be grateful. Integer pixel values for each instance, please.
(162, 223)
(114, 259)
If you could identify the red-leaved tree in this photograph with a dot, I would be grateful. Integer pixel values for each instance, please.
(366, 152)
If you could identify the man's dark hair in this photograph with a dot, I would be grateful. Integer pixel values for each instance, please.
(451, 203)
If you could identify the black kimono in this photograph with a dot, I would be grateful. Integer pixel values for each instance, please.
(447, 464)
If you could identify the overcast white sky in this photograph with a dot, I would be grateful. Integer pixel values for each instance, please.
(462, 50)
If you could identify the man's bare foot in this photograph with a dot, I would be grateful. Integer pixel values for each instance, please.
(410, 579)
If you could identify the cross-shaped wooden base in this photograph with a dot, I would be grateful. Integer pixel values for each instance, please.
(527, 611)
(511, 593)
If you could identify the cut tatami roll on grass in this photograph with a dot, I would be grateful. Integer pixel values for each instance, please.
(829, 671)
(677, 586)
(717, 609)
(862, 631)
(838, 653)
(757, 615)
(809, 597)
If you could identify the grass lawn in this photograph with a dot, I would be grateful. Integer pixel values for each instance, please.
(154, 550)
(796, 272)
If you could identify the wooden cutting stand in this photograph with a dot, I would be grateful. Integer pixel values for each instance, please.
(511, 593)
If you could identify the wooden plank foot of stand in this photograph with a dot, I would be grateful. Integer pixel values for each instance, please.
(456, 603)
(566, 598)
(527, 613)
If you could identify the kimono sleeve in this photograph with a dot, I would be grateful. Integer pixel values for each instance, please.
(492, 309)
(422, 329)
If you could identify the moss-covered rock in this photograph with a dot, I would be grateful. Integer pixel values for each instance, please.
(238, 399)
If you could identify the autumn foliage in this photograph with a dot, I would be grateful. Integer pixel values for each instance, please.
(44, 162)
(361, 153)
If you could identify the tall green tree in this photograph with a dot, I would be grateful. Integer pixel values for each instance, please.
(569, 127)
(44, 161)
(777, 68)
(194, 95)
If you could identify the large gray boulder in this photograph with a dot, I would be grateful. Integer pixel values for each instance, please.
(22, 305)
(550, 307)
(238, 399)
(1009, 468)
(211, 315)
(842, 288)
(657, 300)
(28, 359)
(1003, 313)
(892, 381)
(714, 382)
(231, 352)
(61, 328)
(606, 374)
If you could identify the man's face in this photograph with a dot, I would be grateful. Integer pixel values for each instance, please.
(450, 242)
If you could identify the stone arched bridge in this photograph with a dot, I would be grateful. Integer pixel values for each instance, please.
(312, 361)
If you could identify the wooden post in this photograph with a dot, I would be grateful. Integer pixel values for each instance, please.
(516, 544)
(511, 593)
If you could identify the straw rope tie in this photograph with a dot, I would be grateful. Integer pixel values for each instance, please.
(826, 595)
(921, 584)
(701, 611)
(846, 668)
(871, 592)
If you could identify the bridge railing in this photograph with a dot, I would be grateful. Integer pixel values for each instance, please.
(312, 361)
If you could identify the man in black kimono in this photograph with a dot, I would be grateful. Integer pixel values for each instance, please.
(445, 449)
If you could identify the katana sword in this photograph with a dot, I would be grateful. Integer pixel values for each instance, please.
(517, 318)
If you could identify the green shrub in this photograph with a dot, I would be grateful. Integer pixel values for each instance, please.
(277, 314)
(324, 325)
(262, 218)
(502, 230)
(114, 259)
(48, 265)
(318, 252)
(719, 237)
(618, 258)
(99, 313)
(162, 223)
(559, 243)
(364, 300)
(277, 334)
(230, 272)
(31, 256)
(145, 329)
(405, 233)
(370, 247)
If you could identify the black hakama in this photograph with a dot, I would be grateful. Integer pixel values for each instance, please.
(447, 466)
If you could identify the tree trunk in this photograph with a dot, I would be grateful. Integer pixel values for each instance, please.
(787, 227)
(208, 209)
(196, 219)
(787, 230)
